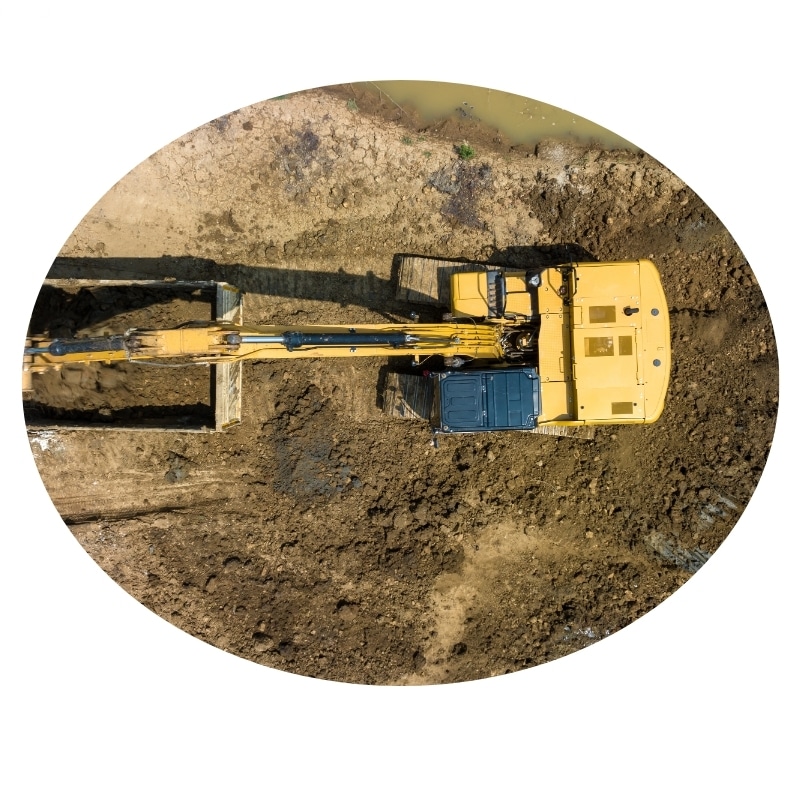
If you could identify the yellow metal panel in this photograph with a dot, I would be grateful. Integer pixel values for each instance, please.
(619, 281)
(557, 402)
(603, 376)
(553, 347)
(598, 405)
(656, 356)
(549, 300)
(519, 303)
(515, 282)
(469, 294)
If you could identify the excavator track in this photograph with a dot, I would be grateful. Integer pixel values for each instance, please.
(567, 431)
(427, 280)
(408, 396)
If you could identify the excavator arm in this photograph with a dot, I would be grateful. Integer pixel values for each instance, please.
(219, 342)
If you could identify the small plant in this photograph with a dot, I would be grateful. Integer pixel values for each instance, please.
(352, 105)
(465, 152)
(427, 153)
(407, 140)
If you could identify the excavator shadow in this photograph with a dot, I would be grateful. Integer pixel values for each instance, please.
(366, 289)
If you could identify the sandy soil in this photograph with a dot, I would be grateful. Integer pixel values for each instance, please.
(321, 537)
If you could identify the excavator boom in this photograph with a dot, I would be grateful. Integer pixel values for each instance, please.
(215, 343)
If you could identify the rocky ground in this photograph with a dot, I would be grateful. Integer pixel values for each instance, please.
(322, 538)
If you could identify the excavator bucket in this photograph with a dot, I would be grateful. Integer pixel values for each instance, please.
(222, 399)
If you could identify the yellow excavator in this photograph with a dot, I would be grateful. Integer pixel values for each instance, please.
(551, 349)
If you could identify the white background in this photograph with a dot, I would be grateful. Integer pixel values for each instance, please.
(104, 699)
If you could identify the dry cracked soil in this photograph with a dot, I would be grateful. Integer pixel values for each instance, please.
(321, 537)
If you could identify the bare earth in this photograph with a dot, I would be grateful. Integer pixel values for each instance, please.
(321, 537)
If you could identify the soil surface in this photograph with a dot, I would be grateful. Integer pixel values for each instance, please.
(320, 536)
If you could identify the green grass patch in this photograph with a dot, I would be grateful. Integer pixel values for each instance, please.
(465, 151)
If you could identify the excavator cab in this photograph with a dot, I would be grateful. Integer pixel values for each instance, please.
(494, 294)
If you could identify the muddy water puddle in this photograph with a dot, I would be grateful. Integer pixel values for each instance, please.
(521, 119)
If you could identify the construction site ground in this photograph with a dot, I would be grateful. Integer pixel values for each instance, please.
(320, 536)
